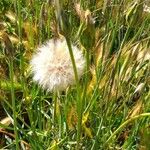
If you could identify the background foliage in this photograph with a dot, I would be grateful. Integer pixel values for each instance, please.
(114, 104)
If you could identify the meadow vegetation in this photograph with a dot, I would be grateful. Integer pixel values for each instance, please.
(109, 107)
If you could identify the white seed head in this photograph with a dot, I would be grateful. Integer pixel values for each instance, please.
(52, 66)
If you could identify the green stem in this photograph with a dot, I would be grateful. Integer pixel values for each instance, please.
(73, 61)
(97, 134)
(11, 73)
(84, 95)
(57, 118)
(79, 100)
(55, 107)
(124, 124)
(60, 119)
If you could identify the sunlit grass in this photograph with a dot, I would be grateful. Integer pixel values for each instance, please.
(108, 108)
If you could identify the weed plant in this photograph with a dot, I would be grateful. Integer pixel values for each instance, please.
(109, 107)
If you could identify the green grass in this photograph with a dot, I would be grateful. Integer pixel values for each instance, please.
(109, 108)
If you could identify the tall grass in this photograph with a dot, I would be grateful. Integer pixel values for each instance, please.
(109, 107)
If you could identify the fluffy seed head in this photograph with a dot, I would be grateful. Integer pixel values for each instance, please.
(52, 66)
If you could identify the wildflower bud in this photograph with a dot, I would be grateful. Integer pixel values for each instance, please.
(87, 37)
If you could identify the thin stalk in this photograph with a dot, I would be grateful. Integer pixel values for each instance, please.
(58, 108)
(60, 125)
(11, 73)
(80, 30)
(73, 61)
(86, 77)
(88, 54)
(60, 119)
(39, 113)
(55, 108)
(124, 124)
(79, 101)
(97, 134)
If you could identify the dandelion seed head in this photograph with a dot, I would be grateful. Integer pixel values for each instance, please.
(52, 66)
